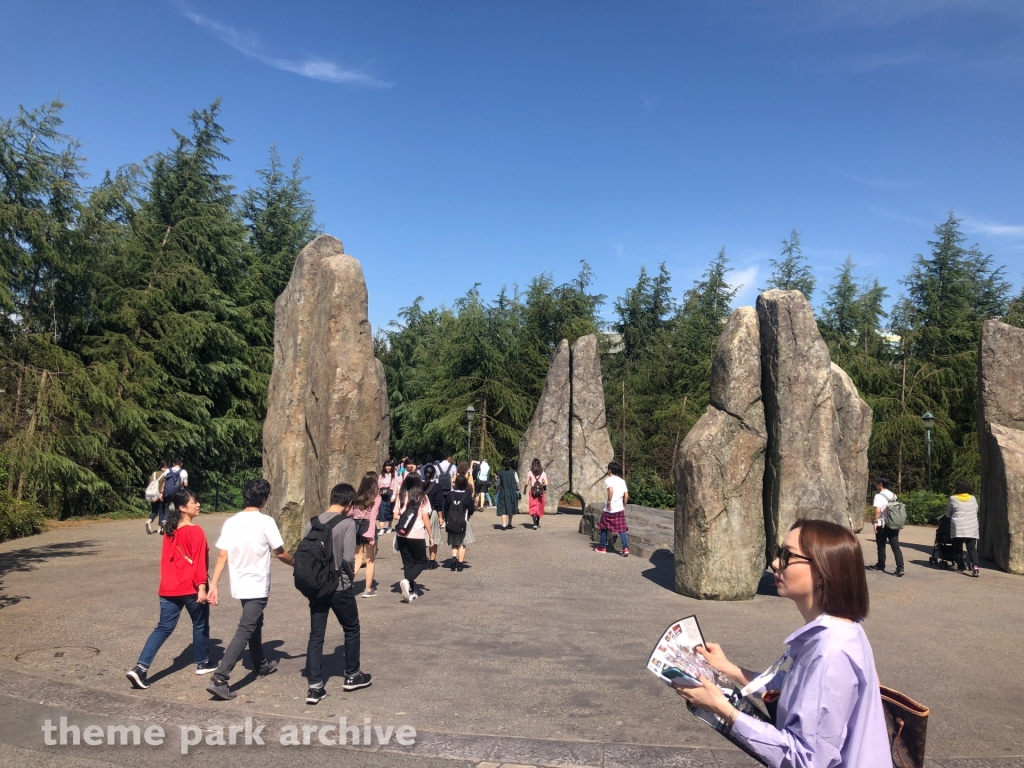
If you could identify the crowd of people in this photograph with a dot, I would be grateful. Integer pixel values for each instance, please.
(819, 566)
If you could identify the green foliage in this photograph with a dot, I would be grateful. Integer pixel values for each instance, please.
(923, 507)
(792, 272)
(137, 316)
(657, 388)
(18, 518)
(648, 490)
(493, 356)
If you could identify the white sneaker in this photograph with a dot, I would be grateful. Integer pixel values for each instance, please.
(412, 597)
(149, 526)
(404, 584)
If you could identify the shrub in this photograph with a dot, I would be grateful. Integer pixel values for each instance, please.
(648, 490)
(18, 518)
(924, 507)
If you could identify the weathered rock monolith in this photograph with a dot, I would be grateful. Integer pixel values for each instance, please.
(327, 408)
(1001, 443)
(591, 446)
(568, 431)
(853, 421)
(547, 437)
(720, 529)
(803, 477)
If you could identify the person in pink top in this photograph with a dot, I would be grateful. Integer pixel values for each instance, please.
(536, 491)
(389, 482)
(364, 512)
(413, 545)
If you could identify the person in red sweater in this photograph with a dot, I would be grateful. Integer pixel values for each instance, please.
(184, 564)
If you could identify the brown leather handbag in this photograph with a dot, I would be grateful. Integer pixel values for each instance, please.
(907, 724)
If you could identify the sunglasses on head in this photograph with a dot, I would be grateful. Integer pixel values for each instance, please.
(784, 556)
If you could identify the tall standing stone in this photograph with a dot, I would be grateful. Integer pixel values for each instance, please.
(720, 524)
(1001, 443)
(591, 447)
(327, 413)
(803, 477)
(853, 423)
(547, 437)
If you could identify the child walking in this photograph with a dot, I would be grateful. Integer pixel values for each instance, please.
(246, 543)
(613, 519)
(184, 563)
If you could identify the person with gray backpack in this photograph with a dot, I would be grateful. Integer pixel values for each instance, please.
(890, 517)
(324, 573)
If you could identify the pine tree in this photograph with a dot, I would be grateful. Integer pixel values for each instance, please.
(792, 273)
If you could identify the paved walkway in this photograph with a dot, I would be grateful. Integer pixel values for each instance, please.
(532, 656)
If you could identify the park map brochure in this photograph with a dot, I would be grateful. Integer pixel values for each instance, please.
(676, 662)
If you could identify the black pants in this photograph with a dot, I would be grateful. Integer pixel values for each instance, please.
(249, 632)
(972, 551)
(414, 557)
(883, 535)
(343, 604)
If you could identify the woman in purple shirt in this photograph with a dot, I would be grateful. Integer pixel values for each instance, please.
(830, 709)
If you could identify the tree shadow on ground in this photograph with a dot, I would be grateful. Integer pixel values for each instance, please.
(31, 558)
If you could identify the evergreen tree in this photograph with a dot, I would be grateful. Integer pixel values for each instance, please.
(792, 272)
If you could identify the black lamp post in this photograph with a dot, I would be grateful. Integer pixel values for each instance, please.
(929, 421)
(470, 412)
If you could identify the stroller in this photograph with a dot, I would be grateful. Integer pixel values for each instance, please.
(943, 553)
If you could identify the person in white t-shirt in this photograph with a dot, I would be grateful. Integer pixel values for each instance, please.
(883, 533)
(613, 519)
(246, 542)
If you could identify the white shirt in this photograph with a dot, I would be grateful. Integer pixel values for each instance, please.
(183, 473)
(250, 538)
(618, 486)
(882, 499)
(485, 471)
(447, 468)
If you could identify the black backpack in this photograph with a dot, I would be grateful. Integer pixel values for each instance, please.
(172, 483)
(455, 515)
(316, 575)
(407, 520)
(445, 479)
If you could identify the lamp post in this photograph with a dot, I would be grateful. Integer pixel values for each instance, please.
(929, 421)
(470, 412)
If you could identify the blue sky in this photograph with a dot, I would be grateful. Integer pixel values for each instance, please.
(459, 142)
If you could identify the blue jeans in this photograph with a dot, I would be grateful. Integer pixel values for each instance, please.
(170, 611)
(622, 537)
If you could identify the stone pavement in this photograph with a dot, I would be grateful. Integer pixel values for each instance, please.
(532, 656)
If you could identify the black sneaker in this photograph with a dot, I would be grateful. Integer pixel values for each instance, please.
(219, 688)
(314, 695)
(356, 681)
(137, 676)
(876, 568)
(266, 668)
(205, 668)
(899, 571)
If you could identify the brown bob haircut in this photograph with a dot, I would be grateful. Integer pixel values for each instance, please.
(836, 555)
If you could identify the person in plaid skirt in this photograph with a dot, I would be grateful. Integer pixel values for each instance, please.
(613, 519)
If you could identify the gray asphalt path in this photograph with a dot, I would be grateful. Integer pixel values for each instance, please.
(540, 639)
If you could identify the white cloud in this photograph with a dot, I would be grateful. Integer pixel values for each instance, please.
(744, 282)
(992, 228)
(318, 69)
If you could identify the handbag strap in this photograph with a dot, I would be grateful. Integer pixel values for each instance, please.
(187, 558)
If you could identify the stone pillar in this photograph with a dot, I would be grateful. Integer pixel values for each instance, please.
(1001, 443)
(803, 478)
(719, 523)
(327, 409)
